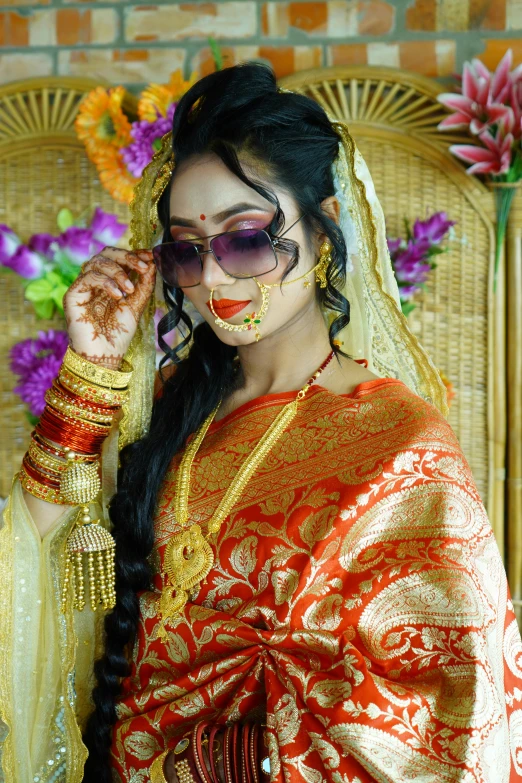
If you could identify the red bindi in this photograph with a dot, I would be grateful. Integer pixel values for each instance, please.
(202, 217)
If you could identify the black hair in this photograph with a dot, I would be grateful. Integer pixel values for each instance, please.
(232, 113)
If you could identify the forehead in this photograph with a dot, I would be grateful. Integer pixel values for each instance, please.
(204, 184)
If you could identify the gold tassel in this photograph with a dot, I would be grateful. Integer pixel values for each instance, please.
(89, 546)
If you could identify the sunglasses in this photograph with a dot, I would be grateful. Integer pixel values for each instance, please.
(243, 254)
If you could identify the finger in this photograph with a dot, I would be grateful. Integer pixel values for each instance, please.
(91, 281)
(102, 266)
(128, 259)
(142, 292)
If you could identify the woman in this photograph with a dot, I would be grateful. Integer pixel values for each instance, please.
(307, 586)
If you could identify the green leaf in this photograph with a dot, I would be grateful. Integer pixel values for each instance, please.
(407, 307)
(31, 418)
(58, 295)
(39, 290)
(65, 219)
(44, 309)
(53, 277)
(217, 54)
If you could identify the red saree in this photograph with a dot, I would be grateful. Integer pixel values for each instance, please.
(358, 603)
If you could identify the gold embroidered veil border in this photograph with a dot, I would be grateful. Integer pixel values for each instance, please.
(378, 330)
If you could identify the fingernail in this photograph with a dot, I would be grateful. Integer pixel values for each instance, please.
(128, 285)
(143, 265)
(118, 293)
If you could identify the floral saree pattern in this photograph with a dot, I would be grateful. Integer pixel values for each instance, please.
(357, 605)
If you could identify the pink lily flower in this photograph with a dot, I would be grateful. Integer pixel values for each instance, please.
(475, 108)
(502, 79)
(494, 159)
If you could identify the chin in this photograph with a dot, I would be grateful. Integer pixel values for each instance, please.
(234, 338)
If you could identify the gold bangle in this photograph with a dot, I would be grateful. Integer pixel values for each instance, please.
(62, 452)
(102, 376)
(47, 463)
(40, 491)
(63, 405)
(89, 390)
(50, 461)
(157, 771)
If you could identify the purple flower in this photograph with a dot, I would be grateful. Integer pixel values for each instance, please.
(79, 244)
(36, 362)
(8, 243)
(394, 245)
(25, 355)
(105, 227)
(32, 389)
(41, 243)
(434, 229)
(409, 264)
(139, 154)
(25, 263)
(407, 292)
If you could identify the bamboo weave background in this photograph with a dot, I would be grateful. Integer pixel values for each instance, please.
(43, 167)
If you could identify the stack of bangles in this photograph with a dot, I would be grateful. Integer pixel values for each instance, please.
(80, 409)
(238, 750)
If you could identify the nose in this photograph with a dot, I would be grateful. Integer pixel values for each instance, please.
(212, 275)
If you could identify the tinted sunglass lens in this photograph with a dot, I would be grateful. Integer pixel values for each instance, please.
(244, 253)
(178, 263)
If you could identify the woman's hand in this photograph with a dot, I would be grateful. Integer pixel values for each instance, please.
(103, 306)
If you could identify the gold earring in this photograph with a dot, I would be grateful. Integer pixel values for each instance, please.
(325, 259)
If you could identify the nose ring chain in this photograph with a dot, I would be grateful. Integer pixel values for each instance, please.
(251, 320)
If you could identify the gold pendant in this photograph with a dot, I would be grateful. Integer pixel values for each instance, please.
(188, 560)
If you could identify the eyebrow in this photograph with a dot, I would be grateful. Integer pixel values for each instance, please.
(219, 217)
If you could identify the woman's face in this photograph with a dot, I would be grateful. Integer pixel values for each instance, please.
(207, 198)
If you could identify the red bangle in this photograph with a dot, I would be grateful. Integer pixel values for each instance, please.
(197, 751)
(211, 744)
(70, 434)
(36, 475)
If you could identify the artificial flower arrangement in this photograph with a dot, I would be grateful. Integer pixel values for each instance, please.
(46, 266)
(121, 144)
(412, 258)
(412, 261)
(489, 107)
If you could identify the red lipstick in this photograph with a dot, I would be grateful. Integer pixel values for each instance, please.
(226, 308)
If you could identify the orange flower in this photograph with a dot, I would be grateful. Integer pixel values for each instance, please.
(113, 174)
(101, 123)
(156, 98)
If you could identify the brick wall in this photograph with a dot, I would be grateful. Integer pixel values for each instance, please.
(134, 44)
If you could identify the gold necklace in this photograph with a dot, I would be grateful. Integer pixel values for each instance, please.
(188, 555)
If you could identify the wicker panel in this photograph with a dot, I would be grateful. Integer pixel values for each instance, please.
(43, 167)
(451, 318)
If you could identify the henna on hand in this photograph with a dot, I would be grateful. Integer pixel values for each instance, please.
(137, 300)
(100, 313)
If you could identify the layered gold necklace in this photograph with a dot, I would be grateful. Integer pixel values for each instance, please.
(188, 555)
